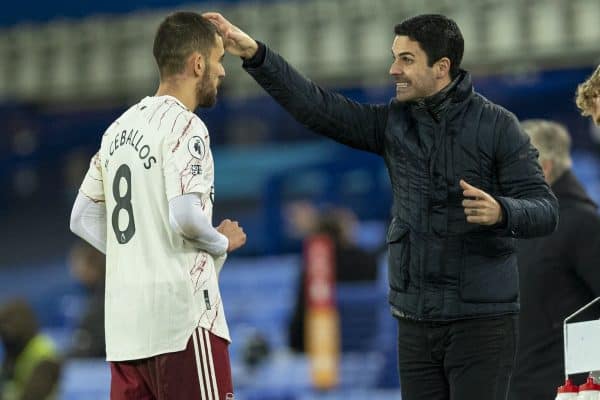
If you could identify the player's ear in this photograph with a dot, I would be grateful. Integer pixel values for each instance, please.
(197, 63)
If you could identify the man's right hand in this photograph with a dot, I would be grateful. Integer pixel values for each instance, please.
(235, 41)
(234, 233)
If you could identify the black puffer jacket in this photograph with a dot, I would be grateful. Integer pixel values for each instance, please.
(440, 266)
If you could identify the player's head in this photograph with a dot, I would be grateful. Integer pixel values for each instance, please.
(427, 52)
(554, 145)
(187, 46)
(588, 97)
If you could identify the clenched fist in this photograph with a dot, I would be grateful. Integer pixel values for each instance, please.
(234, 233)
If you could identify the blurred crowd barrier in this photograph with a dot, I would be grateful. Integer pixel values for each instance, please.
(110, 56)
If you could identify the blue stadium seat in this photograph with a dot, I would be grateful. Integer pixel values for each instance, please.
(85, 380)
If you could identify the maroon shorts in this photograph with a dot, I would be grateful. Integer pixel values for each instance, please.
(200, 372)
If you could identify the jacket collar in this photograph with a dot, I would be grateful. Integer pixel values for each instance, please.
(442, 102)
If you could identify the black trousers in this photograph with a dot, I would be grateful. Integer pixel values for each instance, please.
(457, 360)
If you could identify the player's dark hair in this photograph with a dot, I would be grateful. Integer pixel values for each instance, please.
(179, 35)
(438, 36)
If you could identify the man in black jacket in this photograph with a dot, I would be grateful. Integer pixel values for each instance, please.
(449, 153)
(558, 273)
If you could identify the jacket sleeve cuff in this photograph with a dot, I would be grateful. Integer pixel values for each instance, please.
(506, 228)
(257, 59)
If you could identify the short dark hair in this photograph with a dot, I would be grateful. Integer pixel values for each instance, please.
(438, 36)
(179, 35)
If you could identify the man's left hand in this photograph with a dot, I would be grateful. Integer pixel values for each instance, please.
(480, 207)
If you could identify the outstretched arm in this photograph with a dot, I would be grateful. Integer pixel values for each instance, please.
(358, 125)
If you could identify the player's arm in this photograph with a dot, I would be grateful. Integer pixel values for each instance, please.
(188, 220)
(188, 189)
(88, 221)
(88, 217)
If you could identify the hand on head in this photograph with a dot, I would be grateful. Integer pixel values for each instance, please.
(235, 41)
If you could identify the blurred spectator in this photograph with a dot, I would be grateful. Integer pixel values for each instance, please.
(31, 368)
(353, 264)
(256, 349)
(588, 97)
(558, 273)
(88, 267)
(588, 102)
(301, 219)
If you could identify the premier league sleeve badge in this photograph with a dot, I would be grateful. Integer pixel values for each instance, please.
(196, 147)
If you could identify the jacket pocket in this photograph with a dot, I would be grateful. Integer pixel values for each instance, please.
(398, 239)
(489, 271)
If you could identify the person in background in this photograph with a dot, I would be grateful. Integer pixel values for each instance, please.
(352, 264)
(88, 267)
(300, 218)
(558, 273)
(588, 97)
(31, 366)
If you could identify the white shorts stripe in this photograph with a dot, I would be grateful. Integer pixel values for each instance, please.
(200, 378)
(212, 364)
(205, 355)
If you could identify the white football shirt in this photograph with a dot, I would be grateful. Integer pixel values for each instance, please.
(159, 288)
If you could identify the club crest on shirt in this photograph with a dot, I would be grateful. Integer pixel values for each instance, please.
(197, 147)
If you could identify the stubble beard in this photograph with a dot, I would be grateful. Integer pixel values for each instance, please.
(417, 92)
(206, 93)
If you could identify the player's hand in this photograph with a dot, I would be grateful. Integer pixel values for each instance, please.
(235, 41)
(234, 233)
(480, 207)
